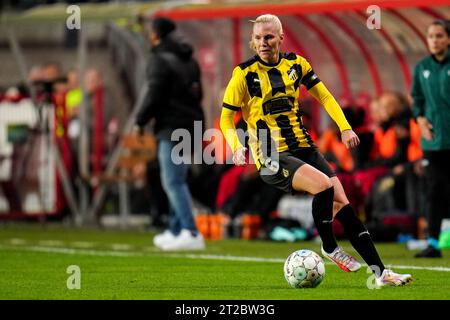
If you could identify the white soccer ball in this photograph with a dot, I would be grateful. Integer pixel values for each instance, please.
(304, 269)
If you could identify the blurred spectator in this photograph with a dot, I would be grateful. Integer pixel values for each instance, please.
(345, 162)
(36, 73)
(102, 122)
(396, 148)
(364, 154)
(392, 138)
(374, 116)
(251, 194)
(73, 100)
(334, 150)
(12, 94)
(207, 180)
(51, 90)
(51, 71)
(55, 90)
(174, 101)
(74, 95)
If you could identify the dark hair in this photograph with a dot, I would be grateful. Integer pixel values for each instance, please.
(162, 26)
(445, 23)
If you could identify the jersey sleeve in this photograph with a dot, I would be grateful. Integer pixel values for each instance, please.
(318, 90)
(229, 129)
(309, 77)
(232, 102)
(325, 98)
(235, 91)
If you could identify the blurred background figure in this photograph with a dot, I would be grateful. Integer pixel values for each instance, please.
(431, 94)
(102, 120)
(174, 101)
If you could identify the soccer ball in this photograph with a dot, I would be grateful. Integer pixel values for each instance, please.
(304, 269)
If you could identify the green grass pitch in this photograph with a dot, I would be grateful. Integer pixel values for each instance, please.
(125, 265)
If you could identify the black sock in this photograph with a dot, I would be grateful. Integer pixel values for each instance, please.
(360, 238)
(322, 211)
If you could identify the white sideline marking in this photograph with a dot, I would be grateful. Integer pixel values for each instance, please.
(82, 244)
(220, 257)
(447, 269)
(108, 253)
(51, 243)
(17, 241)
(256, 259)
(120, 247)
(76, 251)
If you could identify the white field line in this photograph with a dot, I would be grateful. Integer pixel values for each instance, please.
(17, 241)
(51, 243)
(120, 247)
(109, 253)
(82, 244)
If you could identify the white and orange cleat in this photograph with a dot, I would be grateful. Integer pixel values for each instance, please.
(390, 278)
(342, 259)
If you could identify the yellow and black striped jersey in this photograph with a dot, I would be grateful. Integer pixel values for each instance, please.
(268, 95)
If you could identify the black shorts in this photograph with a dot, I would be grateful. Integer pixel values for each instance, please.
(280, 172)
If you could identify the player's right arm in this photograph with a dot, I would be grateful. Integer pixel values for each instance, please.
(232, 102)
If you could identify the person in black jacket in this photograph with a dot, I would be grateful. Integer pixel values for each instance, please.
(174, 101)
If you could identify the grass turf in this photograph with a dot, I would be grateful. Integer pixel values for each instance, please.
(124, 265)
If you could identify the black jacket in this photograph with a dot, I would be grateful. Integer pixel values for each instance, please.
(175, 90)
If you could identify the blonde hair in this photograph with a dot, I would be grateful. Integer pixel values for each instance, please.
(267, 18)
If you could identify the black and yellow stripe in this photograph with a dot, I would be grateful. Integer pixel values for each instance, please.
(268, 96)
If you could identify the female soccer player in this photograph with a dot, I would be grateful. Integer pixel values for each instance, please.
(266, 87)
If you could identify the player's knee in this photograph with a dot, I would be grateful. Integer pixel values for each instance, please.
(324, 184)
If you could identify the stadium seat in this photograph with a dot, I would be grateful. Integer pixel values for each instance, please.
(135, 151)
